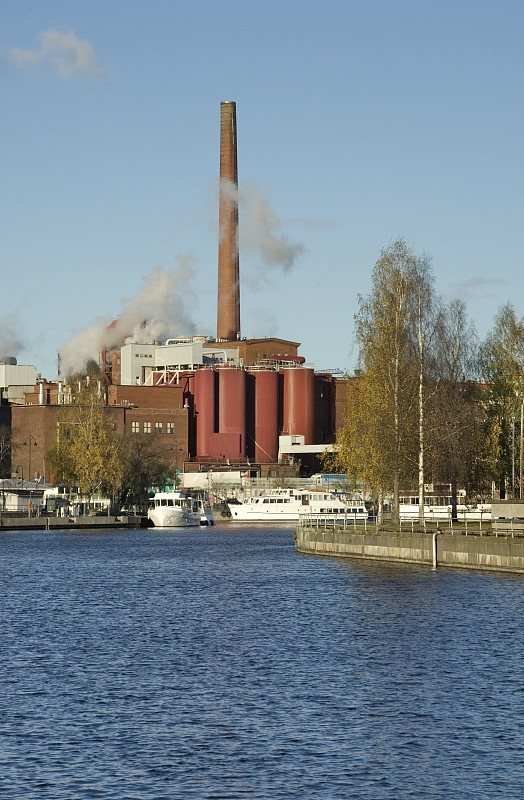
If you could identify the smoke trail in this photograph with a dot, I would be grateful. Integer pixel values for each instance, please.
(260, 230)
(158, 311)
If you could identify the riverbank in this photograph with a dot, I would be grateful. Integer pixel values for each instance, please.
(496, 553)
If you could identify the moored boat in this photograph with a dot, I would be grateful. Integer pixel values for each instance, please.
(294, 505)
(176, 509)
(471, 513)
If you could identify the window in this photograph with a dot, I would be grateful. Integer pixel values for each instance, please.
(158, 427)
(170, 427)
(135, 427)
(147, 427)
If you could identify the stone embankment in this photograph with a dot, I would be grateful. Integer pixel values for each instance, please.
(13, 523)
(503, 552)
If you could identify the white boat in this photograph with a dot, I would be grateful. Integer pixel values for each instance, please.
(175, 509)
(294, 505)
(477, 512)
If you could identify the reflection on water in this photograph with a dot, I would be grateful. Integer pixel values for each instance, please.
(222, 664)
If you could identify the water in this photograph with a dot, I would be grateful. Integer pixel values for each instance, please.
(222, 664)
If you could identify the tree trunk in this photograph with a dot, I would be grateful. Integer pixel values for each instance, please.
(420, 420)
(380, 508)
(454, 515)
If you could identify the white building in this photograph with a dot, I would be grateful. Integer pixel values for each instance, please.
(138, 362)
(16, 380)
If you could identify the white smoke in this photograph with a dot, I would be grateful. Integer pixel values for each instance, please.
(69, 55)
(157, 312)
(260, 230)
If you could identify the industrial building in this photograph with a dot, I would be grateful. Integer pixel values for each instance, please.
(220, 403)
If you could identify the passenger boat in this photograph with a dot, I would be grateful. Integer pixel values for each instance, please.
(175, 509)
(294, 505)
(476, 512)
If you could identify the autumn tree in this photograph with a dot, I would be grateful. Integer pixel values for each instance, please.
(424, 314)
(391, 331)
(502, 364)
(456, 416)
(88, 449)
(358, 451)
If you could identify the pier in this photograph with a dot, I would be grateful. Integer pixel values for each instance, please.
(15, 523)
(500, 550)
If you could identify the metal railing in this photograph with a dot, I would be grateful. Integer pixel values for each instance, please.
(318, 520)
(512, 528)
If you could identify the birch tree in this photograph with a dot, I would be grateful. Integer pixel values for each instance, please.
(391, 333)
(359, 452)
(457, 408)
(502, 359)
(88, 449)
(424, 319)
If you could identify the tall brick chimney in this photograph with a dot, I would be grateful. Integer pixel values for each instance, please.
(228, 308)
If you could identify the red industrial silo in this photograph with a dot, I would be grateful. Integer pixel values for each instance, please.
(232, 409)
(188, 383)
(266, 415)
(299, 402)
(204, 389)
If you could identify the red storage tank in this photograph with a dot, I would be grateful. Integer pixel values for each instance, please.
(189, 402)
(299, 401)
(189, 386)
(232, 403)
(266, 415)
(204, 388)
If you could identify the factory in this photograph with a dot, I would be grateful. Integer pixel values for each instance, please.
(215, 403)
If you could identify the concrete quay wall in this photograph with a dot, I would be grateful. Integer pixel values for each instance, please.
(52, 523)
(501, 553)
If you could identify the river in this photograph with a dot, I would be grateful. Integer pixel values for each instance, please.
(219, 663)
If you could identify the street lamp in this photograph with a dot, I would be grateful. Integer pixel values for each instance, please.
(32, 443)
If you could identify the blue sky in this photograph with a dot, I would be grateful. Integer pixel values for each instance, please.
(358, 123)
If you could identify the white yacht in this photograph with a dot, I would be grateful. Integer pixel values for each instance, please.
(440, 509)
(175, 509)
(293, 505)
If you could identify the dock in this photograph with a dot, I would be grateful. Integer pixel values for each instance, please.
(498, 551)
(18, 523)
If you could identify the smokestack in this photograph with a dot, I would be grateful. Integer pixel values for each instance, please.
(228, 310)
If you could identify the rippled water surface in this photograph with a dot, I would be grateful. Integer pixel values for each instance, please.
(222, 664)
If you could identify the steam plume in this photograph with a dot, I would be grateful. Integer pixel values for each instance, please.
(158, 311)
(260, 230)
